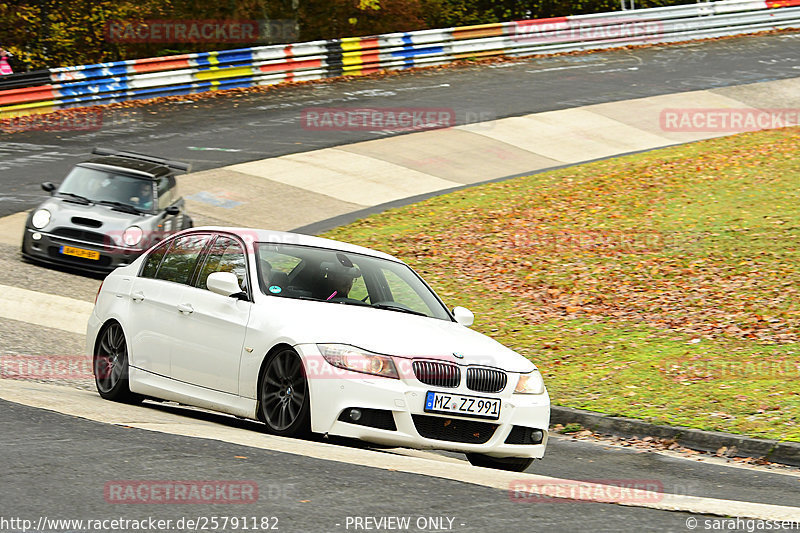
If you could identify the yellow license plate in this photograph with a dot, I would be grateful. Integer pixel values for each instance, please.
(80, 252)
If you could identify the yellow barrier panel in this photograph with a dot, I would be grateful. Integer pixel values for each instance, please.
(222, 73)
(31, 108)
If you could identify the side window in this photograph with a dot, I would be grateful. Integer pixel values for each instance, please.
(166, 191)
(226, 255)
(153, 260)
(403, 294)
(274, 269)
(275, 263)
(179, 262)
(359, 289)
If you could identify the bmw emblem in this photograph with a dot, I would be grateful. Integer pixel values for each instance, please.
(458, 355)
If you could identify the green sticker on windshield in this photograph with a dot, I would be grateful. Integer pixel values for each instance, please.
(274, 289)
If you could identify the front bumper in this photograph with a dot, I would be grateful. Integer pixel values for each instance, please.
(332, 397)
(47, 248)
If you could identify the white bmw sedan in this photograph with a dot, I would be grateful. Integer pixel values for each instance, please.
(313, 335)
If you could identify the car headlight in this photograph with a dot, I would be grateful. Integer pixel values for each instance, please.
(40, 218)
(531, 383)
(358, 360)
(132, 236)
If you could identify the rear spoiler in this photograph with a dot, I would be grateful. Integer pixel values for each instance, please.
(176, 165)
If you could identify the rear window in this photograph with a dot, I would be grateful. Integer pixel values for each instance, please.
(153, 260)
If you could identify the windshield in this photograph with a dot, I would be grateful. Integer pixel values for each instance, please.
(99, 186)
(333, 276)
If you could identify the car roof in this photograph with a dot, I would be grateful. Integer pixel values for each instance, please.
(285, 237)
(144, 169)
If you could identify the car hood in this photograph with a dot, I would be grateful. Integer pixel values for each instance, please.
(396, 333)
(111, 222)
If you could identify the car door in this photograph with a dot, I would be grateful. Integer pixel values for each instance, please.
(155, 297)
(212, 327)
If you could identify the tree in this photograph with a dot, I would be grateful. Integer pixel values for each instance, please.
(53, 33)
(329, 19)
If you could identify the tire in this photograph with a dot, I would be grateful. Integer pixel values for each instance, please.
(284, 403)
(512, 464)
(110, 365)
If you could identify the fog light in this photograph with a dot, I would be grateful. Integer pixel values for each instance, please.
(36, 236)
(373, 418)
(536, 436)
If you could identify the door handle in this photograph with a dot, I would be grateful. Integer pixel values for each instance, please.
(137, 296)
(186, 309)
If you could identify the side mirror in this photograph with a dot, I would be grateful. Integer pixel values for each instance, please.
(48, 186)
(463, 316)
(172, 210)
(224, 283)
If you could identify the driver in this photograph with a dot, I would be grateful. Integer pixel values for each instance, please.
(143, 196)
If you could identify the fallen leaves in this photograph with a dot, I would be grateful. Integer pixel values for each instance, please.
(604, 240)
(679, 244)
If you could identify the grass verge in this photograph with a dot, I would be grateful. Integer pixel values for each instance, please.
(661, 286)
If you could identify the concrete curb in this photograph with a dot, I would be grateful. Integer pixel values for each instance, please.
(321, 226)
(695, 439)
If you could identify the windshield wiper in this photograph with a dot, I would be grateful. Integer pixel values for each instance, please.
(391, 307)
(122, 206)
(352, 302)
(81, 199)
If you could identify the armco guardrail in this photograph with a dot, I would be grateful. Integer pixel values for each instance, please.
(86, 85)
